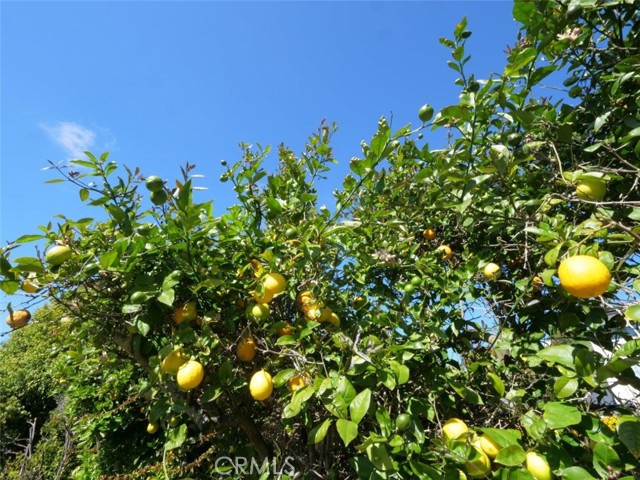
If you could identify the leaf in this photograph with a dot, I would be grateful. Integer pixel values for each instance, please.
(576, 473)
(317, 433)
(628, 428)
(627, 349)
(347, 430)
(378, 455)
(523, 11)
(468, 394)
(600, 121)
(503, 437)
(84, 194)
(29, 238)
(282, 377)
(562, 354)
(176, 437)
(565, 387)
(497, 383)
(633, 313)
(359, 406)
(557, 415)
(603, 457)
(551, 256)
(511, 456)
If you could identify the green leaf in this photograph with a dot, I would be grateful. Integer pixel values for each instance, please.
(576, 473)
(551, 256)
(359, 406)
(511, 456)
(523, 11)
(84, 194)
(628, 428)
(497, 383)
(633, 313)
(283, 377)
(468, 394)
(503, 437)
(317, 433)
(600, 121)
(603, 457)
(176, 437)
(347, 430)
(562, 354)
(627, 349)
(29, 238)
(557, 415)
(378, 455)
(565, 387)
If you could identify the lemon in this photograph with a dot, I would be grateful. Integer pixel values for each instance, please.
(492, 271)
(334, 320)
(266, 298)
(190, 375)
(152, 428)
(258, 311)
(537, 466)
(57, 255)
(261, 385)
(274, 282)
(172, 362)
(453, 428)
(29, 287)
(18, 319)
(429, 233)
(297, 382)
(584, 276)
(246, 350)
(154, 183)
(186, 313)
(591, 188)
(445, 251)
(487, 445)
(480, 466)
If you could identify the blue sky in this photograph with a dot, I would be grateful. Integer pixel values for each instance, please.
(161, 83)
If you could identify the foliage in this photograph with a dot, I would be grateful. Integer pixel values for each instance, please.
(526, 364)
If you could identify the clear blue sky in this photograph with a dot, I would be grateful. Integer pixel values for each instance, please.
(161, 83)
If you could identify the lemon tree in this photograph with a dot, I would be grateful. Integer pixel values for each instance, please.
(466, 309)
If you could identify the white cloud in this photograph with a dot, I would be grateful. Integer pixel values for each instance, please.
(73, 138)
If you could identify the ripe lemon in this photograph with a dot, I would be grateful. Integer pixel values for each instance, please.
(537, 466)
(445, 251)
(297, 382)
(57, 255)
(304, 298)
(152, 428)
(172, 362)
(259, 311)
(274, 282)
(591, 188)
(584, 276)
(286, 330)
(492, 271)
(453, 428)
(487, 445)
(29, 287)
(246, 350)
(266, 298)
(429, 233)
(334, 320)
(186, 313)
(190, 375)
(480, 466)
(18, 319)
(359, 302)
(261, 385)
(537, 284)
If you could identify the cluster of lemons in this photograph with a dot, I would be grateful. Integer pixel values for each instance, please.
(487, 449)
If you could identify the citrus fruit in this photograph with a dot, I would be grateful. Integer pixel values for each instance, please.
(18, 319)
(186, 313)
(297, 382)
(265, 298)
(190, 375)
(57, 255)
(172, 362)
(584, 276)
(29, 287)
(290, 233)
(591, 188)
(259, 311)
(487, 445)
(416, 281)
(246, 350)
(409, 288)
(286, 330)
(403, 421)
(274, 283)
(445, 251)
(334, 320)
(537, 283)
(159, 197)
(514, 139)
(261, 385)
(152, 427)
(154, 183)
(359, 302)
(325, 314)
(174, 421)
(453, 428)
(138, 297)
(425, 113)
(537, 466)
(304, 298)
(429, 233)
(492, 271)
(479, 466)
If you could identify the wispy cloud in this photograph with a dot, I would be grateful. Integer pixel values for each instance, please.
(72, 137)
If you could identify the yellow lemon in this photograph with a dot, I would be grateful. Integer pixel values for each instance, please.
(453, 428)
(297, 382)
(480, 466)
(18, 319)
(190, 375)
(246, 350)
(591, 188)
(186, 313)
(29, 287)
(266, 298)
(152, 428)
(487, 445)
(445, 251)
(492, 271)
(274, 282)
(429, 233)
(584, 276)
(334, 319)
(172, 362)
(261, 385)
(537, 466)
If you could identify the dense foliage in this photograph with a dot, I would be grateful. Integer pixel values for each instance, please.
(417, 337)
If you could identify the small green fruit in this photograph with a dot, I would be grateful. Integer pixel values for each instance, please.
(425, 113)
(159, 197)
(591, 188)
(154, 183)
(58, 255)
(403, 421)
